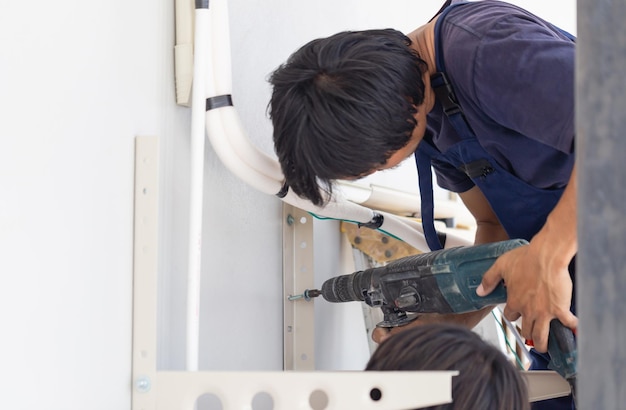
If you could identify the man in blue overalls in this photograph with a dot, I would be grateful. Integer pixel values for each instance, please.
(485, 94)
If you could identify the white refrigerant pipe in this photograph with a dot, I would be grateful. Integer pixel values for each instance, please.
(196, 185)
(212, 105)
(241, 157)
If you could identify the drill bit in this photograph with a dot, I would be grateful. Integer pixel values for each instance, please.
(307, 295)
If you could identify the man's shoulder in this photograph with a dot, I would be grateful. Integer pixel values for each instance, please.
(476, 18)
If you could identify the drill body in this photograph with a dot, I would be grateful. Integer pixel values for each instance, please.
(442, 281)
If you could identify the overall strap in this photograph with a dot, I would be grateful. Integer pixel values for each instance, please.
(442, 86)
(425, 177)
(425, 151)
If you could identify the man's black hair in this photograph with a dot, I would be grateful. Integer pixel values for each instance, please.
(487, 379)
(342, 105)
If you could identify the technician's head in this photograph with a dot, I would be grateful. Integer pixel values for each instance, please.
(486, 380)
(342, 106)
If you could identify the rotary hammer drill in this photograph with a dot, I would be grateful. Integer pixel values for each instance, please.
(442, 281)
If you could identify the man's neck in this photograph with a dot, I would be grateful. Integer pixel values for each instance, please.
(423, 39)
(423, 42)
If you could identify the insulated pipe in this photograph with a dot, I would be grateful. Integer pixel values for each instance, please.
(229, 138)
(238, 145)
(393, 200)
(221, 85)
(234, 149)
(232, 146)
(452, 240)
(201, 65)
(212, 78)
(218, 129)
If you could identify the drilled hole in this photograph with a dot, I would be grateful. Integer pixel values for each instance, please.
(376, 394)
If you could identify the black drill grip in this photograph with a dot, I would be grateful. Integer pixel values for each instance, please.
(563, 353)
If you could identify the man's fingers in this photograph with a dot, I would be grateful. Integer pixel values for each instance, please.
(510, 314)
(569, 320)
(527, 329)
(491, 278)
(380, 334)
(540, 332)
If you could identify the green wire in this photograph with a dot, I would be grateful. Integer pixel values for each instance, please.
(324, 218)
(506, 340)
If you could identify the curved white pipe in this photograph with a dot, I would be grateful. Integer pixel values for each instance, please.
(242, 147)
(230, 141)
(217, 125)
(212, 77)
(403, 228)
(393, 200)
(222, 85)
(336, 208)
(241, 157)
(218, 130)
(452, 239)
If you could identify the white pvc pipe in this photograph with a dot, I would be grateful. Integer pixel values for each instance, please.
(220, 49)
(222, 85)
(218, 128)
(212, 77)
(201, 65)
(452, 240)
(229, 138)
(240, 156)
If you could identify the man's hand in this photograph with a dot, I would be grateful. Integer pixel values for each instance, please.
(539, 289)
(470, 320)
(536, 276)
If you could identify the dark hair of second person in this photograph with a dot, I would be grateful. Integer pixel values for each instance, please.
(487, 379)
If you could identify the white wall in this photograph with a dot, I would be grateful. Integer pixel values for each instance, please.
(78, 82)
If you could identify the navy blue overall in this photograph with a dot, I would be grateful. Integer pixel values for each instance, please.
(521, 208)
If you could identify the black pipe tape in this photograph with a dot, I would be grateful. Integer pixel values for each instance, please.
(202, 4)
(219, 101)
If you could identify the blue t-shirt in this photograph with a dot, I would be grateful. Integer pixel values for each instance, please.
(513, 75)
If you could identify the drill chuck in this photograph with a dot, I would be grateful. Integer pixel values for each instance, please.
(346, 288)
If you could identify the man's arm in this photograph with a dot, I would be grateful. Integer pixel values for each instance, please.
(539, 287)
(488, 227)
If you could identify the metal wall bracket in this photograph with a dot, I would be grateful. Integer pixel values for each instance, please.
(298, 275)
(153, 389)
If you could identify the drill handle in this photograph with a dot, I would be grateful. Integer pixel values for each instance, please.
(562, 349)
